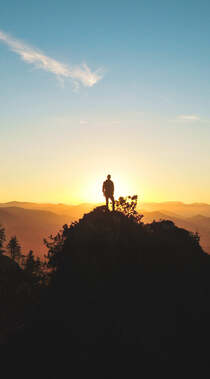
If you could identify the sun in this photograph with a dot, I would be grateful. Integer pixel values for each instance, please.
(93, 192)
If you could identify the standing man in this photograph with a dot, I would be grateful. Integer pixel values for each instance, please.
(108, 191)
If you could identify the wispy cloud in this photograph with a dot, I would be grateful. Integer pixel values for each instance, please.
(83, 122)
(79, 74)
(191, 117)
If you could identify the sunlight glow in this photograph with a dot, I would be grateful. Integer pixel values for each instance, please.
(93, 193)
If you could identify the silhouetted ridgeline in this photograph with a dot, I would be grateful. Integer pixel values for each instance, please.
(31, 222)
(121, 289)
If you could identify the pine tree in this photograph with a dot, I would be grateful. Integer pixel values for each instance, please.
(2, 240)
(14, 249)
(33, 267)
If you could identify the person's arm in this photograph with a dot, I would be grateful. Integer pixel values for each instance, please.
(103, 187)
(113, 187)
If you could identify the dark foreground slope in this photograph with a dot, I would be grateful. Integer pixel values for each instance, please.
(125, 291)
(15, 299)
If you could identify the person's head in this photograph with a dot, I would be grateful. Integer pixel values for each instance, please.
(108, 177)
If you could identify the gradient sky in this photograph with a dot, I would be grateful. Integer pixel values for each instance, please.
(139, 109)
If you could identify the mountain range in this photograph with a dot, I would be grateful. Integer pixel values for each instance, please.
(31, 222)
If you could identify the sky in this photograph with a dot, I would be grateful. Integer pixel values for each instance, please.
(90, 88)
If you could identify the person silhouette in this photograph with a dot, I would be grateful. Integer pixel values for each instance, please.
(108, 191)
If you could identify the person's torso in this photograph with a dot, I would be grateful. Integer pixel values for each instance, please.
(109, 186)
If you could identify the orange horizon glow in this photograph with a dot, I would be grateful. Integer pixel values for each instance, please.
(87, 188)
(91, 192)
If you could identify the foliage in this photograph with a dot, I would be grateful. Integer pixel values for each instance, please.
(34, 269)
(14, 249)
(23, 280)
(127, 205)
(102, 238)
(2, 240)
(55, 246)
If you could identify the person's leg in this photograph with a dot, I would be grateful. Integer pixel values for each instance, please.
(113, 202)
(107, 202)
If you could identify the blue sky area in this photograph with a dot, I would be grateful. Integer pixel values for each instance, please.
(145, 118)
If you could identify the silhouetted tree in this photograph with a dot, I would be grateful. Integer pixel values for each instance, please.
(30, 262)
(127, 205)
(34, 269)
(2, 240)
(55, 246)
(14, 249)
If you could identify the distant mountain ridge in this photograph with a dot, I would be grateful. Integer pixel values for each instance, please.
(56, 208)
(175, 207)
(185, 210)
(31, 222)
(30, 226)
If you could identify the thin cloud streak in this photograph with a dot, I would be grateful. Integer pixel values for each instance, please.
(79, 74)
(188, 117)
(83, 122)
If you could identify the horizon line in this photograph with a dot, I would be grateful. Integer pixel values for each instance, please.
(100, 203)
